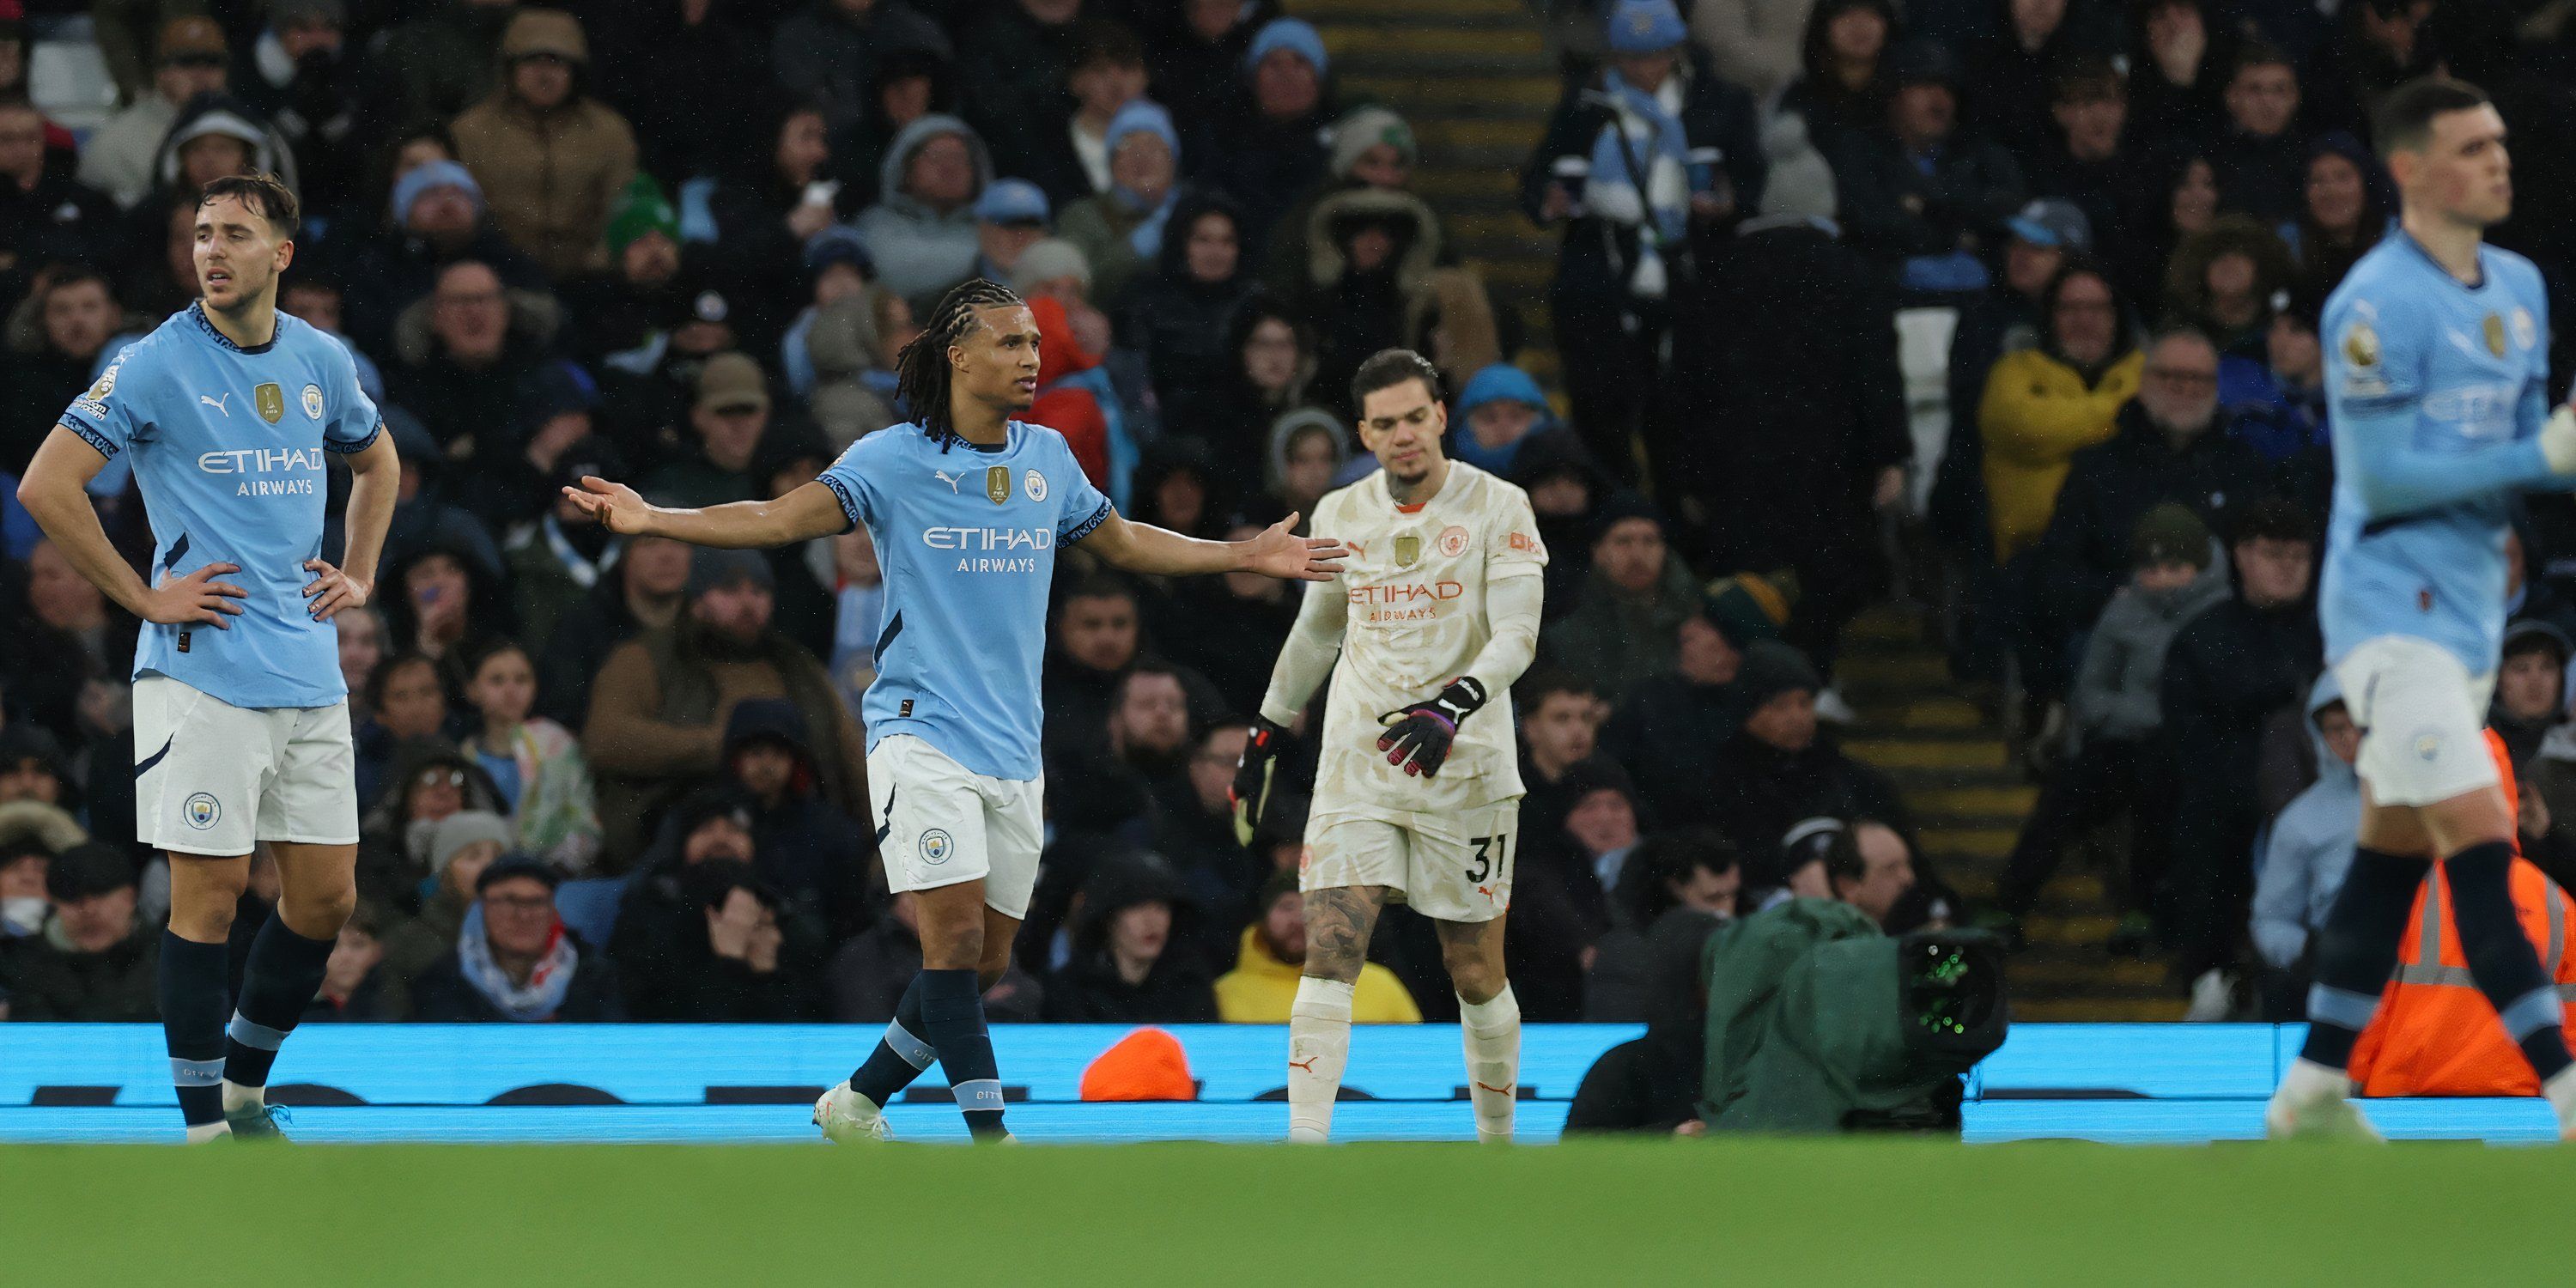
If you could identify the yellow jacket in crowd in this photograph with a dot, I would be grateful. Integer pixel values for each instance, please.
(1260, 987)
(2036, 415)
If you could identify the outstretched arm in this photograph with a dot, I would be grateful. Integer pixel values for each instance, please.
(810, 511)
(1277, 552)
(1314, 643)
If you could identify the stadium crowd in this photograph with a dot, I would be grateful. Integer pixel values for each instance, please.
(679, 242)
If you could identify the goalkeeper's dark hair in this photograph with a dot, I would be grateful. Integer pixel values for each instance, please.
(1388, 368)
(921, 371)
(265, 194)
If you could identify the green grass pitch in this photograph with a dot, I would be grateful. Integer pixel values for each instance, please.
(1754, 1212)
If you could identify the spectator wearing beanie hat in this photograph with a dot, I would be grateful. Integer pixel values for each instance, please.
(1500, 411)
(461, 846)
(1672, 727)
(1011, 216)
(93, 960)
(1121, 231)
(1371, 147)
(728, 415)
(615, 311)
(435, 217)
(514, 961)
(1658, 107)
(1626, 622)
(1779, 766)
(2115, 762)
(552, 159)
(1276, 150)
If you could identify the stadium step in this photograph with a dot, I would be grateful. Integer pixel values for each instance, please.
(1968, 799)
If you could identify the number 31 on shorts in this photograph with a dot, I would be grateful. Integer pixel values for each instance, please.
(1493, 855)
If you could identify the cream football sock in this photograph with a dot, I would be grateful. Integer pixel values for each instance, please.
(1319, 1044)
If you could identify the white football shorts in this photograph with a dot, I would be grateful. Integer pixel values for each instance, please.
(212, 778)
(2423, 720)
(1452, 867)
(940, 823)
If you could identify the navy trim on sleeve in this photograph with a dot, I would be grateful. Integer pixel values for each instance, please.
(90, 436)
(1083, 529)
(361, 445)
(841, 493)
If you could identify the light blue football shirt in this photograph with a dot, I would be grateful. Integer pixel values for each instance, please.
(228, 447)
(2437, 394)
(967, 537)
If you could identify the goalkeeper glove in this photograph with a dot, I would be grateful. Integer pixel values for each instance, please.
(1252, 776)
(1418, 736)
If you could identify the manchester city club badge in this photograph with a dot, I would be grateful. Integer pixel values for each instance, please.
(312, 402)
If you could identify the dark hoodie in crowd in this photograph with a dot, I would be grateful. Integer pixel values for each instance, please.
(1090, 987)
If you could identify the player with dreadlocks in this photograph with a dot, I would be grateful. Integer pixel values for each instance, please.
(953, 716)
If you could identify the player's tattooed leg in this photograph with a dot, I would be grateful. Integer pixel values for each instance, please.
(1338, 922)
(1473, 953)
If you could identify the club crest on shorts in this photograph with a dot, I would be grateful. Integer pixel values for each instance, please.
(2428, 747)
(201, 811)
(997, 484)
(1408, 549)
(271, 400)
(1453, 541)
(936, 845)
(312, 402)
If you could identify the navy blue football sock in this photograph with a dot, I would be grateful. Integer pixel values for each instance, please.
(2501, 958)
(192, 1024)
(279, 981)
(901, 1054)
(2357, 950)
(952, 1010)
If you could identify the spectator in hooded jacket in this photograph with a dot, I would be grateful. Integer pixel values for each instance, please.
(1269, 364)
(2346, 204)
(1840, 87)
(811, 852)
(551, 158)
(1125, 967)
(921, 233)
(834, 52)
(2305, 855)
(1372, 147)
(1500, 408)
(1178, 315)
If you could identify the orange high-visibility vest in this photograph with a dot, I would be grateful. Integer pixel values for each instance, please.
(2435, 1034)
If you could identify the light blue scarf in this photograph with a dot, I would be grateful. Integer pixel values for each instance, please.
(1665, 142)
